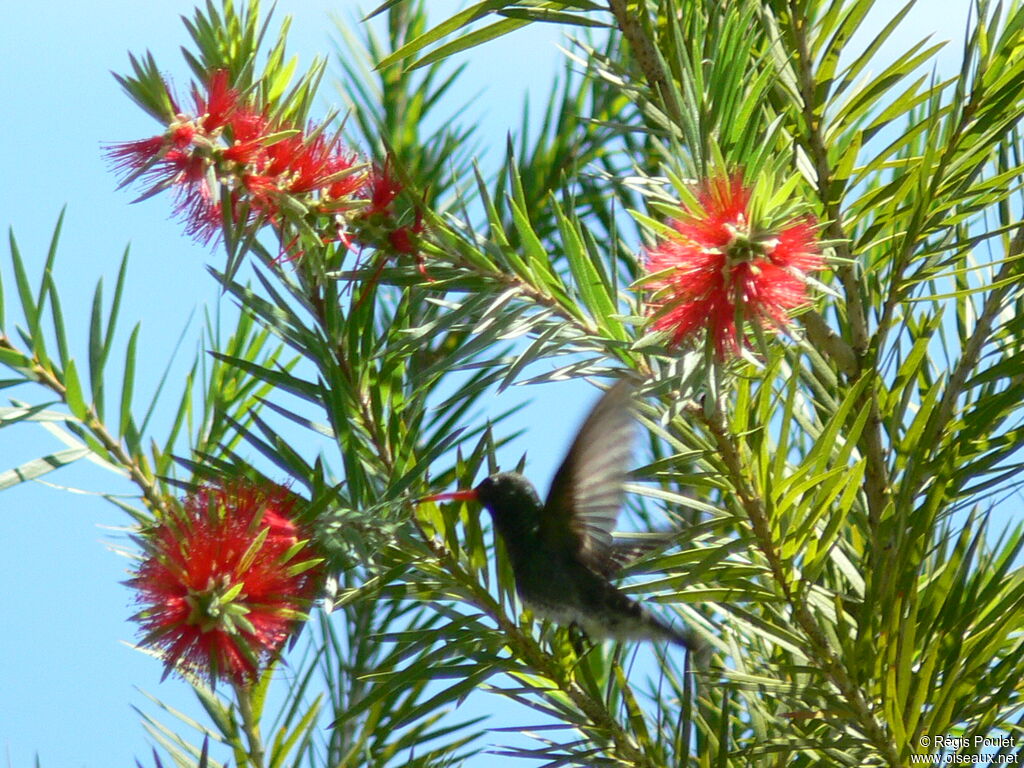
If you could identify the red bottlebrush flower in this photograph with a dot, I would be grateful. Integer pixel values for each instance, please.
(183, 168)
(403, 239)
(281, 154)
(219, 104)
(249, 125)
(248, 131)
(306, 169)
(231, 150)
(131, 156)
(382, 189)
(182, 135)
(720, 267)
(318, 169)
(343, 181)
(203, 217)
(224, 581)
(315, 165)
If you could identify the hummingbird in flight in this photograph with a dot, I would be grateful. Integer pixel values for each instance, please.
(563, 551)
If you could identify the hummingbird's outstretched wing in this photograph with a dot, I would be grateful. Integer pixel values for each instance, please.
(626, 551)
(586, 494)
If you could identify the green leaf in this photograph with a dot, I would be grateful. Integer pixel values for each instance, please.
(553, 17)
(385, 6)
(57, 315)
(14, 359)
(73, 394)
(28, 304)
(592, 284)
(471, 40)
(19, 413)
(445, 28)
(128, 384)
(41, 466)
(97, 350)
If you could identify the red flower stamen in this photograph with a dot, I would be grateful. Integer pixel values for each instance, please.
(719, 267)
(219, 104)
(269, 171)
(230, 144)
(224, 582)
(382, 189)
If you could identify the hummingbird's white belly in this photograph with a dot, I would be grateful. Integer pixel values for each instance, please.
(557, 613)
(596, 626)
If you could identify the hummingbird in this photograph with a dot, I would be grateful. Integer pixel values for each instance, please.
(563, 552)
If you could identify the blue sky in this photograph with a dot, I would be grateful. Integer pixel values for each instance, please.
(67, 680)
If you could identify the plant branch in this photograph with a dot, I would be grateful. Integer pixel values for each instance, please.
(250, 724)
(136, 471)
(942, 418)
(830, 199)
(535, 295)
(372, 426)
(877, 486)
(820, 648)
(646, 54)
(826, 339)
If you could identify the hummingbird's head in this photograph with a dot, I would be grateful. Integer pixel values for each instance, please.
(513, 503)
(507, 493)
(509, 497)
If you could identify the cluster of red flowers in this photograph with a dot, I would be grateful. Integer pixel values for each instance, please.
(230, 150)
(224, 583)
(719, 270)
(382, 188)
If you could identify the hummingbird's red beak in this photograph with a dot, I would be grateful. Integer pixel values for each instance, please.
(468, 494)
